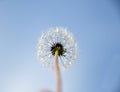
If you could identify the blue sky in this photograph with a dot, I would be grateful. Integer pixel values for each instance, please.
(96, 26)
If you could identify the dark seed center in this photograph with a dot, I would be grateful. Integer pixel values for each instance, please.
(58, 46)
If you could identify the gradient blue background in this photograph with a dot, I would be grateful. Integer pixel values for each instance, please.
(96, 26)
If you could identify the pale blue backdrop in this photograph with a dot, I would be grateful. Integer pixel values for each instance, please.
(96, 26)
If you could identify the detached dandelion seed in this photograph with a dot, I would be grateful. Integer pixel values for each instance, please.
(57, 39)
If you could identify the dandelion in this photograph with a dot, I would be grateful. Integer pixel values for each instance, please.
(57, 39)
(57, 48)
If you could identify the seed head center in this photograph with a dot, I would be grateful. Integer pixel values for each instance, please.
(58, 46)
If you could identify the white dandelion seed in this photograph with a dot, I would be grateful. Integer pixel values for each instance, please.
(57, 39)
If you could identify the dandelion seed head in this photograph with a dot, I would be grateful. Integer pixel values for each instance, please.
(61, 39)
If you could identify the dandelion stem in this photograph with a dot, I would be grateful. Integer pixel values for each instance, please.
(57, 73)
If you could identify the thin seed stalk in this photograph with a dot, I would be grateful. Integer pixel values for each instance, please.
(57, 73)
